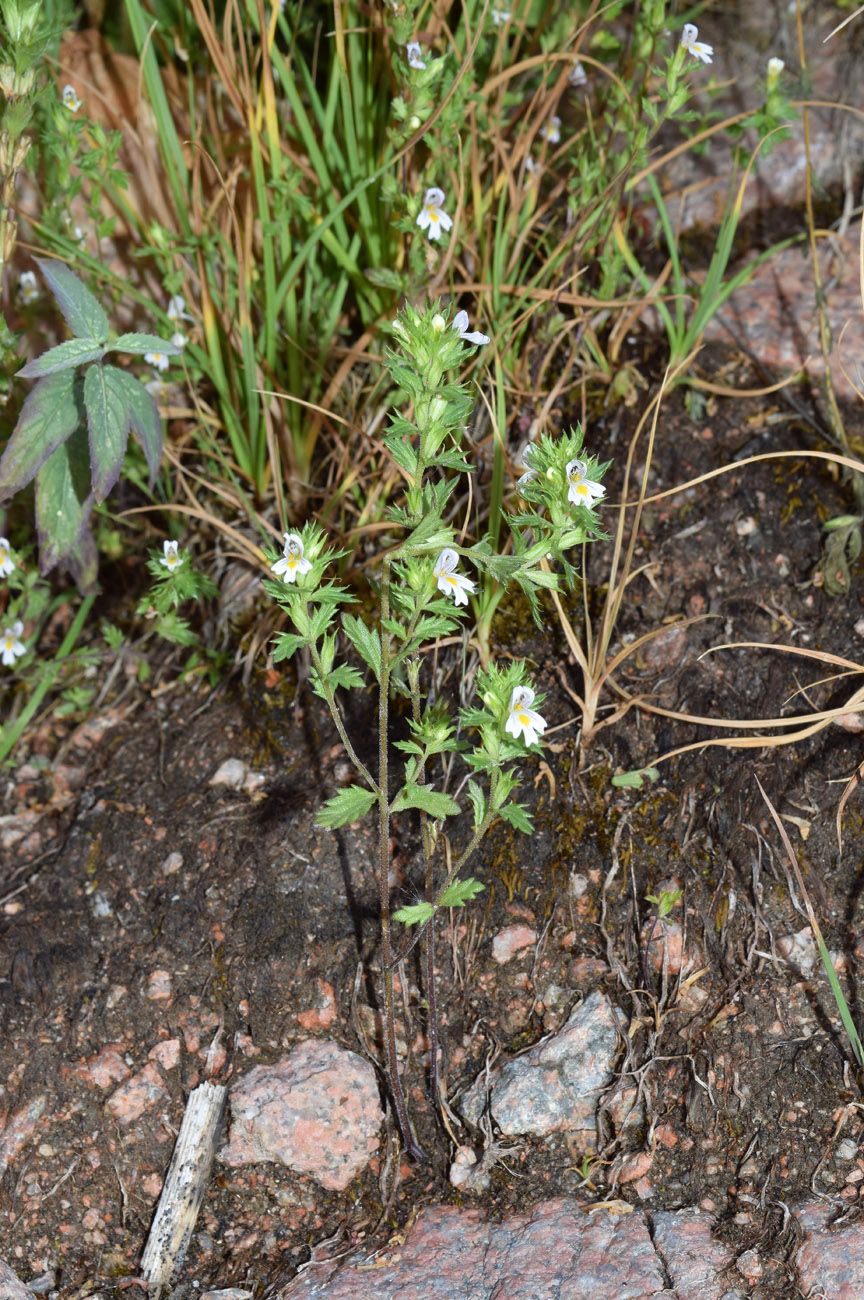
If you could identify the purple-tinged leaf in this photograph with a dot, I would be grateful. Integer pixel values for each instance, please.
(83, 563)
(66, 356)
(64, 501)
(108, 426)
(51, 412)
(143, 415)
(141, 344)
(81, 311)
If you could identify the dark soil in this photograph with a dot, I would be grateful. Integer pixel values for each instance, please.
(741, 1077)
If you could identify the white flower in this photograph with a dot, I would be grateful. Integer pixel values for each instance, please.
(179, 340)
(170, 558)
(522, 719)
(460, 325)
(449, 582)
(577, 76)
(157, 359)
(582, 491)
(292, 561)
(10, 647)
(7, 564)
(432, 216)
(176, 309)
(71, 100)
(551, 130)
(28, 288)
(775, 67)
(697, 47)
(500, 17)
(530, 164)
(415, 55)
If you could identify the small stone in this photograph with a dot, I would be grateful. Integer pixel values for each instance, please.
(318, 1112)
(846, 1150)
(853, 722)
(464, 1171)
(749, 1265)
(323, 1012)
(166, 1053)
(512, 940)
(159, 987)
(227, 1293)
(106, 1067)
(136, 1095)
(554, 1087)
(578, 884)
(746, 527)
(635, 1166)
(799, 949)
(18, 1130)
(11, 1286)
(665, 940)
(667, 648)
(172, 863)
(232, 773)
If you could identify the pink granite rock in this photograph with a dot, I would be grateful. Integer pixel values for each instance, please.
(105, 1067)
(557, 1252)
(136, 1095)
(318, 1112)
(697, 1264)
(512, 940)
(831, 1260)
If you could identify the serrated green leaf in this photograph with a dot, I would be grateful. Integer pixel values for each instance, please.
(66, 356)
(143, 415)
(349, 805)
(107, 425)
(286, 644)
(416, 914)
(460, 892)
(518, 817)
(140, 344)
(478, 801)
(51, 412)
(81, 311)
(364, 641)
(64, 501)
(434, 802)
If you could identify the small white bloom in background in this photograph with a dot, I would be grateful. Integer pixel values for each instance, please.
(577, 76)
(176, 309)
(10, 646)
(522, 719)
(7, 564)
(292, 561)
(551, 130)
(690, 41)
(460, 325)
(71, 100)
(415, 55)
(157, 359)
(449, 581)
(179, 340)
(28, 288)
(530, 164)
(170, 558)
(583, 491)
(775, 67)
(500, 17)
(433, 218)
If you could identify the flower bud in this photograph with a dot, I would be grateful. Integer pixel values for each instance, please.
(775, 67)
(438, 322)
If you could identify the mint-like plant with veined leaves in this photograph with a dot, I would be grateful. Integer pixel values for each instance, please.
(426, 578)
(73, 429)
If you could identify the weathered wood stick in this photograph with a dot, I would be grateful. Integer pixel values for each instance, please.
(183, 1190)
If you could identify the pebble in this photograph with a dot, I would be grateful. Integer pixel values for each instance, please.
(159, 987)
(512, 940)
(231, 773)
(11, 1286)
(136, 1095)
(106, 1067)
(847, 1150)
(172, 863)
(318, 1111)
(554, 1087)
(18, 1130)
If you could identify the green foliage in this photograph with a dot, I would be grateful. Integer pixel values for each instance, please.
(73, 429)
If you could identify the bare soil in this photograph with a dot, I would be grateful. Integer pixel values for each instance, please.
(119, 962)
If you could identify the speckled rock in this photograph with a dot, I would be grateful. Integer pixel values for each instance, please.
(831, 1260)
(511, 941)
(554, 1087)
(558, 1252)
(318, 1112)
(697, 1264)
(11, 1286)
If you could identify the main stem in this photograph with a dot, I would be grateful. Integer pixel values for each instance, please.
(410, 1142)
